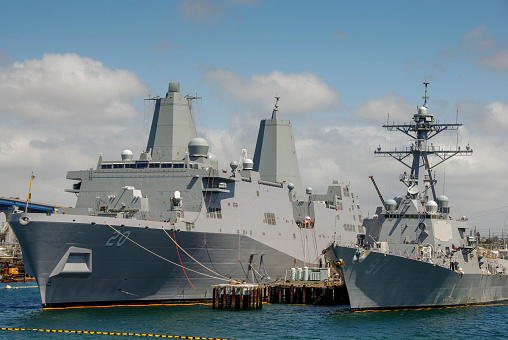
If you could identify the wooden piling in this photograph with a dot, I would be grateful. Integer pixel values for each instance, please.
(237, 296)
(311, 293)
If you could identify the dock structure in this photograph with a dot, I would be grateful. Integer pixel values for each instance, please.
(307, 292)
(302, 286)
(310, 286)
(237, 296)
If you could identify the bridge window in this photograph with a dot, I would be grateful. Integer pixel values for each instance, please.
(106, 166)
(166, 165)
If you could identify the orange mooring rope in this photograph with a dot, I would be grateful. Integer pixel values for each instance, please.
(178, 251)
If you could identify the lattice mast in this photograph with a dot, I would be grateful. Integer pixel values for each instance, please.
(421, 129)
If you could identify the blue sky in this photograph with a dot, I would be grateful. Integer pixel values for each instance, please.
(73, 76)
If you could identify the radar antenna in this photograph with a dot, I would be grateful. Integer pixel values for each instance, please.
(275, 112)
(421, 129)
(426, 97)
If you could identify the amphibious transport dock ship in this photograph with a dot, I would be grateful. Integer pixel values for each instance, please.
(418, 251)
(167, 226)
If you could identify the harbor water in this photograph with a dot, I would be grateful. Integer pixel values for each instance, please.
(21, 308)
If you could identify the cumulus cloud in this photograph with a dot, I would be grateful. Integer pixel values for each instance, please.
(491, 118)
(58, 113)
(488, 53)
(300, 93)
(378, 110)
(67, 87)
(227, 144)
(479, 39)
(495, 62)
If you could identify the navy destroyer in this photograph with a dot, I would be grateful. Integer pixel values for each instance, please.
(167, 226)
(418, 251)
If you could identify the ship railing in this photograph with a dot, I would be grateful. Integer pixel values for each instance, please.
(272, 184)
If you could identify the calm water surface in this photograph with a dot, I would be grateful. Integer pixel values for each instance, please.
(21, 308)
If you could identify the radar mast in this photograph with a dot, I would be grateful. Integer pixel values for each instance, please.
(421, 129)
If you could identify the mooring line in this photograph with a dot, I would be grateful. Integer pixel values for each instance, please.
(192, 258)
(162, 257)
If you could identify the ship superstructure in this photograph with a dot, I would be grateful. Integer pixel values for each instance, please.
(419, 251)
(167, 226)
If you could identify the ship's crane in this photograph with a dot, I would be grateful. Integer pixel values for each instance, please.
(377, 190)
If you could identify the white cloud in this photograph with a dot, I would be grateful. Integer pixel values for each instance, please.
(300, 93)
(377, 110)
(68, 88)
(479, 39)
(227, 144)
(495, 117)
(495, 62)
(488, 53)
(58, 113)
(487, 119)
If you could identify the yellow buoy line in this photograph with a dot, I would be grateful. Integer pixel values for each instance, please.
(12, 329)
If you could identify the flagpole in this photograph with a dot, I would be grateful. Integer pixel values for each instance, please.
(29, 188)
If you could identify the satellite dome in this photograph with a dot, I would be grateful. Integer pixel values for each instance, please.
(291, 186)
(198, 147)
(308, 190)
(422, 110)
(213, 160)
(233, 165)
(442, 201)
(391, 204)
(431, 206)
(248, 164)
(127, 155)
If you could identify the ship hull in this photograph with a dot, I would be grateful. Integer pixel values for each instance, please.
(386, 281)
(114, 262)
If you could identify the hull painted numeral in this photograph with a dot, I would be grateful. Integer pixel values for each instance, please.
(121, 239)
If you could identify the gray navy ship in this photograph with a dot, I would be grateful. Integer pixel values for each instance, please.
(167, 226)
(418, 251)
